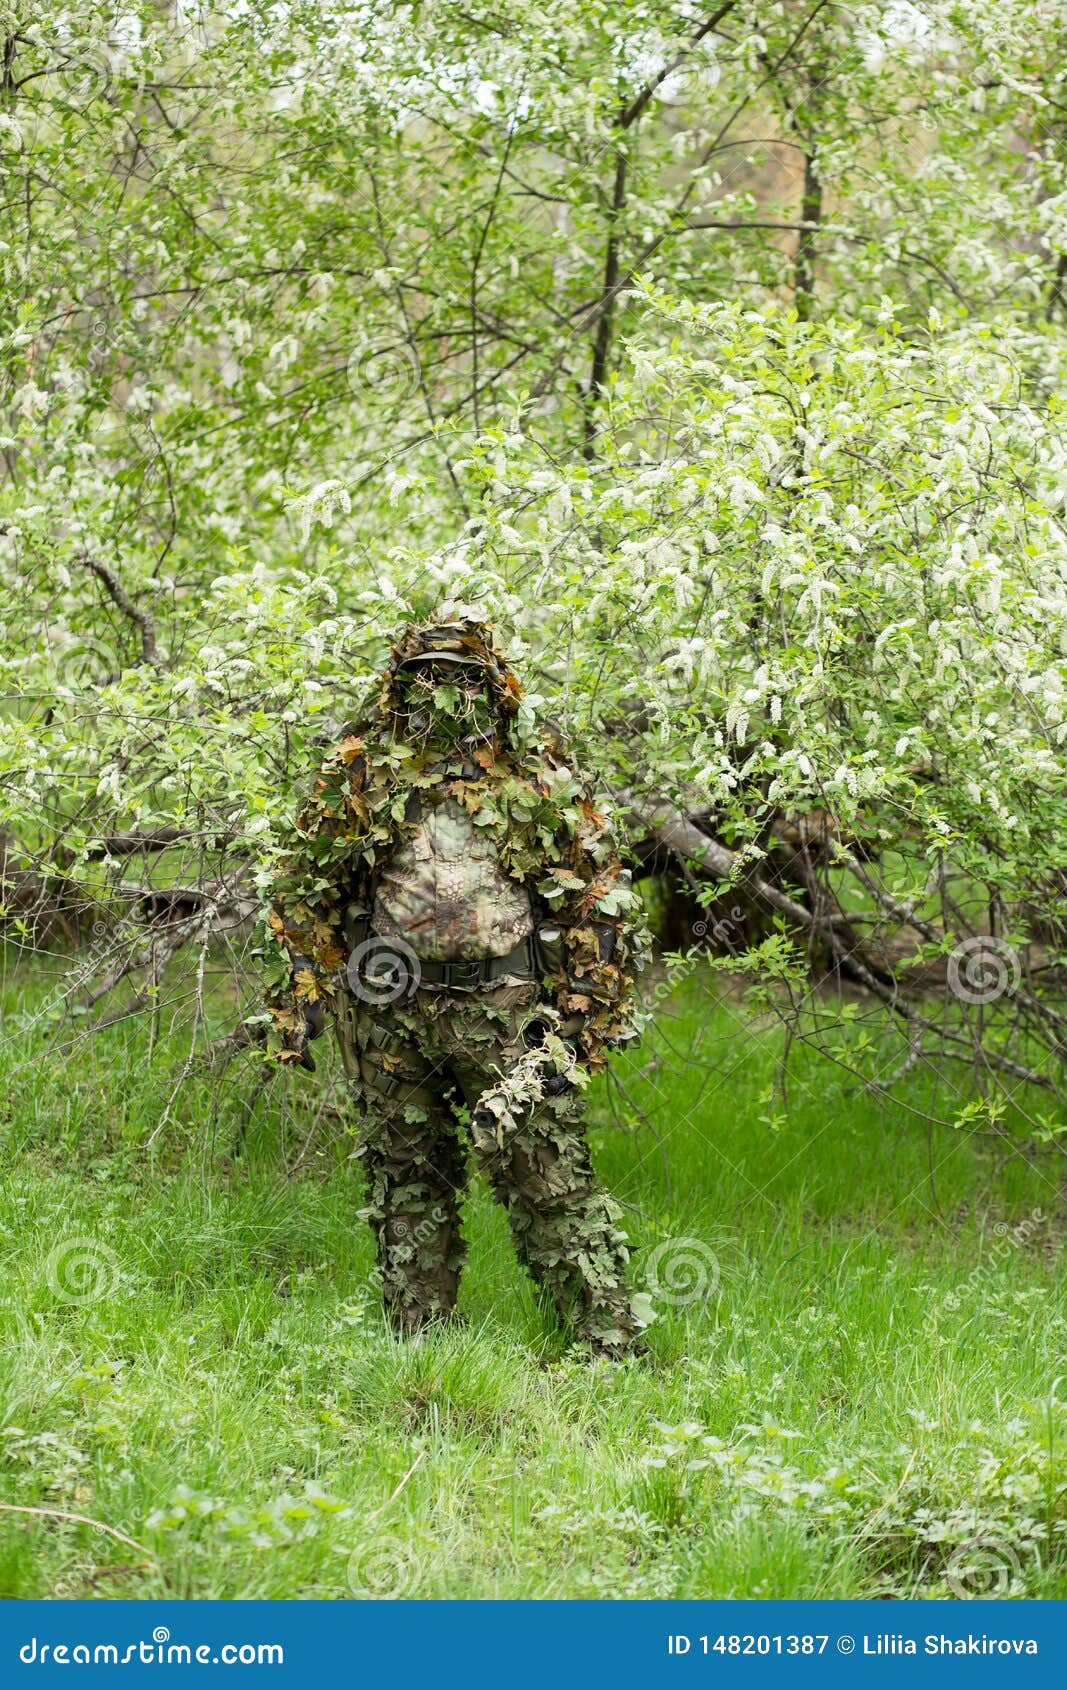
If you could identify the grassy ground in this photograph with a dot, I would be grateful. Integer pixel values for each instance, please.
(855, 1385)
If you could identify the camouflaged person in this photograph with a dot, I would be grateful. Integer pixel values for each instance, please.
(453, 901)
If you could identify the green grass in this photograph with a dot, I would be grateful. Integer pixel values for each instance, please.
(873, 1374)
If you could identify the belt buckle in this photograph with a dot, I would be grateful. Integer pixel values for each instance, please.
(464, 972)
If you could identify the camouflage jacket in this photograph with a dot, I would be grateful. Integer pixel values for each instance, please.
(546, 836)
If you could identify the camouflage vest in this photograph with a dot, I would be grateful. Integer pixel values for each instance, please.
(444, 893)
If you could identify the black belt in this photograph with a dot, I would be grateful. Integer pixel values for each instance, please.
(464, 976)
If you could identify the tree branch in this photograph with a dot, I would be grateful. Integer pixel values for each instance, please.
(604, 308)
(143, 620)
(632, 112)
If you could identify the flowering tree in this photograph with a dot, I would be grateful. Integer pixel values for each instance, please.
(715, 352)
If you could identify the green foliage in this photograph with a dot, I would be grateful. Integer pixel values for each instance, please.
(724, 366)
(863, 1391)
(278, 393)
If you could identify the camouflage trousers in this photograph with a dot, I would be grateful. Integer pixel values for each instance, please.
(415, 1063)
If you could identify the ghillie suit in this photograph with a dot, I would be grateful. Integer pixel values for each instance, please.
(452, 898)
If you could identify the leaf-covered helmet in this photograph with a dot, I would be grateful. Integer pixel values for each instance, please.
(461, 641)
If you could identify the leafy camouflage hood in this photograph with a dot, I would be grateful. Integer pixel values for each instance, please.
(459, 640)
